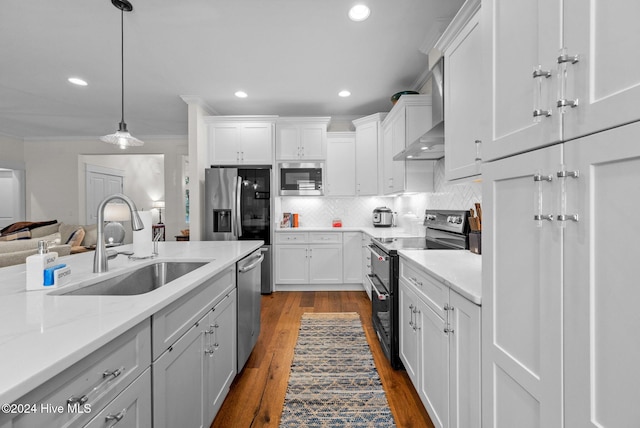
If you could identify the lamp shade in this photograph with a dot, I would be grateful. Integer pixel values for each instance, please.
(117, 212)
(158, 204)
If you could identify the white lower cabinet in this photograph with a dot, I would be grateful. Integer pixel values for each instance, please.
(366, 263)
(440, 348)
(86, 388)
(352, 257)
(192, 374)
(309, 258)
(130, 409)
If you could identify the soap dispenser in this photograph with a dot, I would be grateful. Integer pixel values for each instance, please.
(37, 263)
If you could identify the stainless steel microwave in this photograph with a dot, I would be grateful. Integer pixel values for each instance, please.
(301, 178)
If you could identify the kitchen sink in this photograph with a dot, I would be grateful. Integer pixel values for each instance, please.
(140, 281)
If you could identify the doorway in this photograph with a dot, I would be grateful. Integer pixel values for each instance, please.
(101, 182)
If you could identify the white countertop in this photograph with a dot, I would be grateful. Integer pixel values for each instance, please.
(41, 334)
(460, 270)
(374, 232)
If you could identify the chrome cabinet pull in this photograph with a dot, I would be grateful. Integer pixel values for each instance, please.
(567, 103)
(478, 144)
(411, 316)
(107, 376)
(563, 58)
(541, 73)
(116, 418)
(565, 174)
(542, 113)
(540, 217)
(567, 217)
(540, 177)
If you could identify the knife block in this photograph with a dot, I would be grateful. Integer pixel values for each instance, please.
(475, 242)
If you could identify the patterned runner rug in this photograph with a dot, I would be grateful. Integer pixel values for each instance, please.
(333, 380)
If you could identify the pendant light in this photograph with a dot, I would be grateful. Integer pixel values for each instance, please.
(122, 137)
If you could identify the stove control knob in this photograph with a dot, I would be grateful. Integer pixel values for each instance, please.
(431, 217)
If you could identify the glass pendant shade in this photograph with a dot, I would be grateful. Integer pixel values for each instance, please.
(122, 138)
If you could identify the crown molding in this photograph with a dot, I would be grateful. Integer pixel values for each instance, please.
(464, 15)
(200, 102)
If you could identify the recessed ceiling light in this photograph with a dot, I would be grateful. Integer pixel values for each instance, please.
(359, 12)
(344, 94)
(241, 94)
(77, 81)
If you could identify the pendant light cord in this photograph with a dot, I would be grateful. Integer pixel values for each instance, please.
(122, 61)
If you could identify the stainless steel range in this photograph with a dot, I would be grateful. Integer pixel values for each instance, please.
(445, 230)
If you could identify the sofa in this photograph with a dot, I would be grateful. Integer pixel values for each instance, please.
(20, 240)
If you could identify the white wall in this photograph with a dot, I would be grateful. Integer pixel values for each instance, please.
(53, 188)
(11, 152)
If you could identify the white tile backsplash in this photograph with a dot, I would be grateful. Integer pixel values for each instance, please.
(320, 211)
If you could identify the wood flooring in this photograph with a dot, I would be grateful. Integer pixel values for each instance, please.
(257, 394)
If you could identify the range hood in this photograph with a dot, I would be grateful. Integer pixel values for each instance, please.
(430, 145)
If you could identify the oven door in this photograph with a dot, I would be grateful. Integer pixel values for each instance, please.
(381, 312)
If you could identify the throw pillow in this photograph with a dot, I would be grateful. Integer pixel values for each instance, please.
(41, 231)
(66, 230)
(76, 237)
(90, 235)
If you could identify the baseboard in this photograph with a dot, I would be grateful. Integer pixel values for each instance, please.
(319, 287)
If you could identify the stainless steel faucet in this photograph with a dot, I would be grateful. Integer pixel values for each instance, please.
(100, 260)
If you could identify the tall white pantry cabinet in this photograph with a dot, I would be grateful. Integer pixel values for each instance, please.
(560, 284)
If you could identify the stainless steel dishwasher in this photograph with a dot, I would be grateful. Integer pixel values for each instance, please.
(249, 294)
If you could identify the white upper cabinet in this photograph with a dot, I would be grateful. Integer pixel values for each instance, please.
(466, 106)
(301, 138)
(559, 70)
(368, 153)
(606, 78)
(240, 140)
(405, 123)
(341, 158)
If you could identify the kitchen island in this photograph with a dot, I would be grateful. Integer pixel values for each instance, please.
(42, 335)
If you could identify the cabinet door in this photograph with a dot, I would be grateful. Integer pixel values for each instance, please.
(601, 293)
(606, 78)
(257, 143)
(130, 409)
(466, 107)
(325, 264)
(292, 264)
(366, 263)
(408, 330)
(398, 143)
(521, 294)
(221, 360)
(531, 32)
(434, 364)
(179, 381)
(224, 143)
(341, 159)
(367, 159)
(352, 257)
(313, 138)
(464, 363)
(387, 155)
(287, 141)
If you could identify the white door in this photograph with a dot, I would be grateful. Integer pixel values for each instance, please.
(522, 36)
(408, 331)
(466, 106)
(325, 264)
(341, 159)
(101, 182)
(367, 159)
(257, 143)
(12, 195)
(221, 360)
(601, 289)
(434, 364)
(179, 381)
(352, 257)
(521, 294)
(606, 78)
(292, 264)
(464, 363)
(224, 144)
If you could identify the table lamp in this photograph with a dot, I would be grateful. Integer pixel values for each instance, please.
(114, 213)
(159, 205)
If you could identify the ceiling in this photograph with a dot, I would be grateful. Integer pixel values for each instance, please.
(292, 57)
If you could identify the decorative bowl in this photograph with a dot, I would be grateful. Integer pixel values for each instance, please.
(395, 97)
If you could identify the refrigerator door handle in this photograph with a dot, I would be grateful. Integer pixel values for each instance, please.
(238, 217)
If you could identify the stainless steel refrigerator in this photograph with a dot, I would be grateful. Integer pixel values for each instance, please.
(238, 207)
